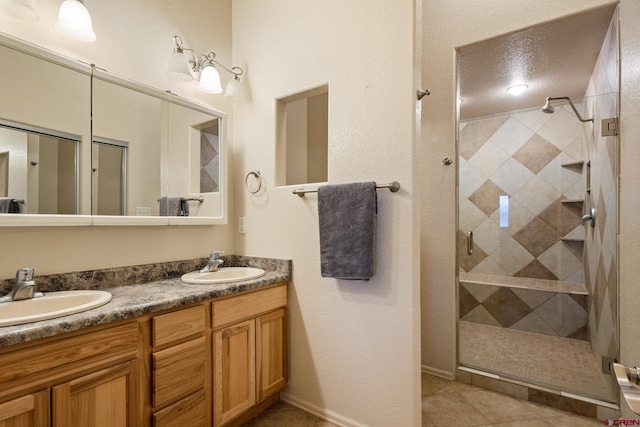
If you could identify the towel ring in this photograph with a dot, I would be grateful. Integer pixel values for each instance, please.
(256, 176)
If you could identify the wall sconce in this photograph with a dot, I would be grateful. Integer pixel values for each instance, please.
(186, 68)
(74, 20)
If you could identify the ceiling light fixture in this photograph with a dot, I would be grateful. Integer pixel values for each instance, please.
(516, 90)
(185, 67)
(74, 21)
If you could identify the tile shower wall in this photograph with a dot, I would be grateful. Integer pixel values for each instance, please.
(601, 250)
(530, 157)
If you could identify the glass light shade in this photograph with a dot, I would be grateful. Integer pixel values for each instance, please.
(74, 21)
(178, 68)
(234, 88)
(210, 80)
(22, 9)
(517, 89)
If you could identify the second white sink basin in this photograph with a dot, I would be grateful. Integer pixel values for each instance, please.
(223, 275)
(50, 306)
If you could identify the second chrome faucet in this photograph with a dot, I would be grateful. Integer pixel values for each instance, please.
(214, 262)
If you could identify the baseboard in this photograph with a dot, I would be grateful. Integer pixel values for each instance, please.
(319, 412)
(438, 373)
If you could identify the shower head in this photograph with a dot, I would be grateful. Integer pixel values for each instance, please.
(548, 108)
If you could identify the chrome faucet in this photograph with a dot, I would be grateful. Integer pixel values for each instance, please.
(24, 288)
(214, 262)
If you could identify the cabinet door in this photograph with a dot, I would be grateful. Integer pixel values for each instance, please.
(234, 371)
(107, 398)
(31, 410)
(271, 353)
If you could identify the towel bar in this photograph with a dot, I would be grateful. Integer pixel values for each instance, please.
(392, 186)
(193, 199)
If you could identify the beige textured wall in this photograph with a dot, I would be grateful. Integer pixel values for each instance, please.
(135, 40)
(629, 239)
(354, 346)
(448, 25)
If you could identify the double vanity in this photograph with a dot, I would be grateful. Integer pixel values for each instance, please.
(161, 352)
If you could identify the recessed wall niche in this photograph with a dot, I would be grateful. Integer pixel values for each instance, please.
(302, 137)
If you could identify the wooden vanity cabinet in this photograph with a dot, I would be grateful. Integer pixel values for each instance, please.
(216, 363)
(179, 369)
(250, 353)
(31, 410)
(82, 379)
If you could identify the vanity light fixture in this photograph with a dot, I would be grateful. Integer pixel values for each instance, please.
(21, 9)
(74, 21)
(516, 90)
(185, 67)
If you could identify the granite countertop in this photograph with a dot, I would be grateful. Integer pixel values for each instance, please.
(134, 299)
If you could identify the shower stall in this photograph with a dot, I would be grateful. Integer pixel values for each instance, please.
(537, 234)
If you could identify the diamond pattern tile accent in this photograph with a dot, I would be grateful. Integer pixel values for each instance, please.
(533, 299)
(537, 270)
(533, 323)
(511, 256)
(536, 237)
(562, 217)
(487, 197)
(536, 153)
(467, 301)
(536, 195)
(563, 314)
(476, 133)
(539, 310)
(506, 307)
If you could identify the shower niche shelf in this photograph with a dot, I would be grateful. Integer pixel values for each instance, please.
(572, 201)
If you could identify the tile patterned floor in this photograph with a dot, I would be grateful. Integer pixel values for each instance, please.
(556, 362)
(451, 403)
(447, 403)
(281, 414)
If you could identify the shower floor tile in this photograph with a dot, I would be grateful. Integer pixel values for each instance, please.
(560, 363)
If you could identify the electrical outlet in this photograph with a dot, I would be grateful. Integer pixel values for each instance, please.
(242, 224)
(143, 211)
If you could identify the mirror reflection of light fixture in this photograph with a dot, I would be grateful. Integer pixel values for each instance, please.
(74, 21)
(185, 67)
(21, 9)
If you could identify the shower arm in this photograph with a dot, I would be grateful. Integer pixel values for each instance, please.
(573, 107)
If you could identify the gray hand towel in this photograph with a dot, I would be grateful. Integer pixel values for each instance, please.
(184, 207)
(347, 217)
(171, 206)
(9, 205)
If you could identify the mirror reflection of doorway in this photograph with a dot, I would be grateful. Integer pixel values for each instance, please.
(109, 177)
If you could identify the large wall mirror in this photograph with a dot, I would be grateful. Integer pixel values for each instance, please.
(79, 146)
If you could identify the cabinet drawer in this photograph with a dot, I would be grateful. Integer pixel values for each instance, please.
(64, 355)
(189, 412)
(177, 326)
(178, 371)
(242, 307)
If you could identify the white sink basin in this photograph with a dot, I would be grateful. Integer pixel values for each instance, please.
(223, 275)
(51, 305)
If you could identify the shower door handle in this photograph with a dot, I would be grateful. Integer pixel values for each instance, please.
(469, 242)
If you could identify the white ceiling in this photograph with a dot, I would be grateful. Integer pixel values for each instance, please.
(555, 59)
